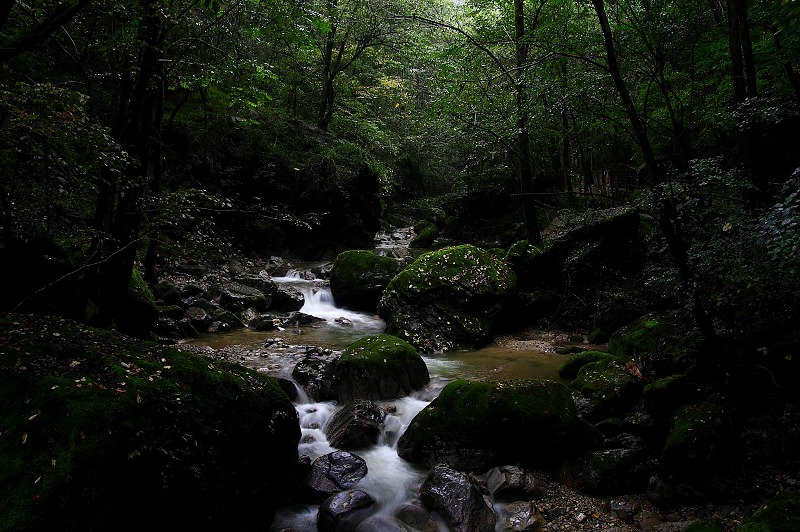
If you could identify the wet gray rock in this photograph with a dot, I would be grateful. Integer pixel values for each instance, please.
(414, 514)
(344, 511)
(167, 293)
(458, 501)
(174, 312)
(334, 472)
(511, 483)
(315, 373)
(237, 297)
(287, 299)
(521, 516)
(199, 318)
(228, 318)
(357, 425)
(260, 281)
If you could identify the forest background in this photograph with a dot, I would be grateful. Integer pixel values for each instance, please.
(151, 132)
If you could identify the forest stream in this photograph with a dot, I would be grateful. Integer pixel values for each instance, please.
(391, 480)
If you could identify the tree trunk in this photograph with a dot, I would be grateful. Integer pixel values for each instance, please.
(328, 74)
(668, 220)
(794, 80)
(135, 135)
(639, 130)
(523, 136)
(156, 174)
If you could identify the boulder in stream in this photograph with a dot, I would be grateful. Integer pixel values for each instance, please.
(447, 299)
(379, 367)
(458, 501)
(344, 511)
(475, 425)
(357, 425)
(358, 278)
(334, 472)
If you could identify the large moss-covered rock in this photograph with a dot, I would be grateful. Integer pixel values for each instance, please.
(139, 313)
(604, 388)
(104, 432)
(658, 339)
(533, 268)
(447, 298)
(780, 513)
(379, 367)
(695, 439)
(570, 368)
(474, 425)
(359, 277)
(426, 234)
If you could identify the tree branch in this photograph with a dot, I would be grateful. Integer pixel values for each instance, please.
(42, 31)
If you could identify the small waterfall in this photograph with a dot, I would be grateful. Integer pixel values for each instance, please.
(390, 480)
(319, 302)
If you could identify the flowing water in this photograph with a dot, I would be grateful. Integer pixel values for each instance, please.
(391, 481)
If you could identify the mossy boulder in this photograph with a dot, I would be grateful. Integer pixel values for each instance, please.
(533, 269)
(605, 388)
(426, 233)
(379, 367)
(695, 439)
(104, 432)
(780, 513)
(570, 368)
(660, 340)
(359, 277)
(447, 298)
(604, 241)
(667, 393)
(139, 313)
(475, 425)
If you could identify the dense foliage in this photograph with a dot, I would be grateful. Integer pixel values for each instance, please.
(153, 132)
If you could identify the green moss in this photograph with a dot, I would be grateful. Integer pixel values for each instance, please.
(479, 409)
(353, 264)
(383, 350)
(139, 290)
(470, 415)
(425, 238)
(643, 335)
(598, 336)
(779, 514)
(570, 368)
(522, 252)
(667, 392)
(694, 438)
(93, 423)
(422, 225)
(607, 386)
(463, 268)
(569, 350)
